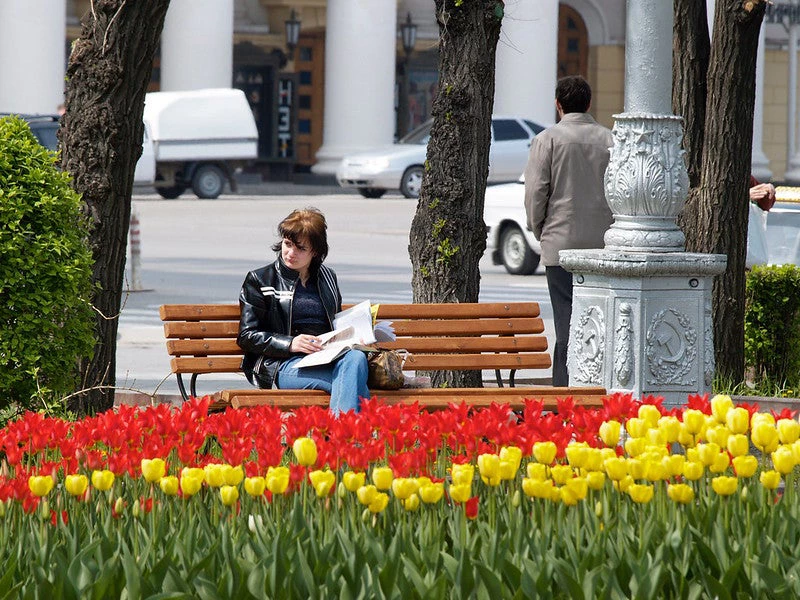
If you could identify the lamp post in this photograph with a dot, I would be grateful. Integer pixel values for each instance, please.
(292, 25)
(788, 14)
(408, 34)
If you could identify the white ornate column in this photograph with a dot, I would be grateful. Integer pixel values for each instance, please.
(641, 313)
(197, 45)
(792, 175)
(760, 163)
(528, 44)
(360, 48)
(32, 55)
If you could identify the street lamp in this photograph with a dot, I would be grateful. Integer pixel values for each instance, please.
(408, 34)
(292, 33)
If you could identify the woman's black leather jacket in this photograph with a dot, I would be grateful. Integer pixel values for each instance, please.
(265, 324)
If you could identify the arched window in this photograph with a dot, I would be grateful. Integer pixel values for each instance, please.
(573, 43)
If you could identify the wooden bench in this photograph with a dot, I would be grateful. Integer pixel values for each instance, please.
(201, 339)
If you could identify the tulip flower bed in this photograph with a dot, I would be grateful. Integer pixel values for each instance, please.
(626, 501)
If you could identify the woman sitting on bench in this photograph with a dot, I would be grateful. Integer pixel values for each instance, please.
(285, 305)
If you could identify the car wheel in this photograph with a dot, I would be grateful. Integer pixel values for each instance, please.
(172, 192)
(411, 182)
(517, 256)
(371, 192)
(208, 182)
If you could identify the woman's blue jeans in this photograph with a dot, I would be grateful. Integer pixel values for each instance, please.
(345, 379)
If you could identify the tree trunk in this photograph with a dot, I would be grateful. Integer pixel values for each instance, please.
(448, 236)
(722, 210)
(101, 137)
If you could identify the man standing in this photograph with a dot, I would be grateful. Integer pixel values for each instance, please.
(564, 198)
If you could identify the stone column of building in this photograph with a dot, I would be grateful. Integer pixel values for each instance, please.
(792, 175)
(360, 54)
(526, 61)
(641, 316)
(33, 37)
(760, 163)
(197, 45)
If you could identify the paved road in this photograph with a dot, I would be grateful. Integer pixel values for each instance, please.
(199, 251)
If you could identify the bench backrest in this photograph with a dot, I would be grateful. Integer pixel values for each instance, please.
(201, 338)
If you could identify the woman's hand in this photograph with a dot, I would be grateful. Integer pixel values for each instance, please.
(304, 343)
(763, 194)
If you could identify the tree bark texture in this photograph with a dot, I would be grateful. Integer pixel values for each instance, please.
(448, 236)
(722, 210)
(101, 139)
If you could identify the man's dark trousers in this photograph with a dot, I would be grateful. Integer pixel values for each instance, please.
(559, 283)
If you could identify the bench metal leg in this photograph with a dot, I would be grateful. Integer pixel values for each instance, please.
(182, 387)
(499, 377)
(193, 384)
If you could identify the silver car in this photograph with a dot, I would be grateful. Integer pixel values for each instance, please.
(400, 166)
(507, 235)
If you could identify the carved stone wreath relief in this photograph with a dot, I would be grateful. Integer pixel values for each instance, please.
(623, 345)
(671, 349)
(589, 351)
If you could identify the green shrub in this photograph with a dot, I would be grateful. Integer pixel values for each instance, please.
(46, 320)
(772, 324)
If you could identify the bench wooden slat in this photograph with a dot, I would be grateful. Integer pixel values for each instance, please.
(223, 312)
(205, 347)
(416, 362)
(228, 329)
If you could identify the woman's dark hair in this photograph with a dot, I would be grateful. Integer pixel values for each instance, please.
(573, 94)
(305, 224)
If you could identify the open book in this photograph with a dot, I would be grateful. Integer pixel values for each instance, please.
(351, 327)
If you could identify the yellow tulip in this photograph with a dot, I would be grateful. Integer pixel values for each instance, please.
(724, 486)
(656, 471)
(229, 494)
(461, 492)
(404, 487)
(366, 494)
(232, 475)
(796, 451)
(214, 475)
(305, 451)
(650, 414)
(685, 438)
(191, 484)
(636, 427)
(40, 485)
(382, 477)
(594, 460)
(577, 454)
(431, 493)
(707, 453)
(609, 433)
(153, 469)
(788, 431)
(323, 481)
(641, 493)
(535, 488)
(561, 474)
(738, 444)
(745, 466)
(193, 472)
(693, 470)
(670, 426)
(655, 437)
(76, 484)
(721, 463)
(623, 484)
(411, 503)
(511, 454)
(596, 480)
(568, 496)
(579, 486)
(489, 468)
(537, 471)
(783, 460)
(770, 479)
(692, 454)
(462, 474)
(673, 463)
(102, 480)
(508, 470)
(680, 493)
(255, 486)
(545, 452)
(694, 420)
(379, 503)
(353, 481)
(720, 405)
(169, 485)
(277, 480)
(636, 468)
(555, 494)
(764, 436)
(738, 420)
(718, 434)
(616, 468)
(761, 418)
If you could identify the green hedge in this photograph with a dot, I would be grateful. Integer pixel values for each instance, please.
(772, 324)
(46, 319)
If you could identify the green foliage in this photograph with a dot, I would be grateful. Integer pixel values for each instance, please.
(446, 251)
(438, 225)
(46, 320)
(772, 324)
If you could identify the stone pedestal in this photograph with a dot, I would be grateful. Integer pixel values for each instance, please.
(641, 321)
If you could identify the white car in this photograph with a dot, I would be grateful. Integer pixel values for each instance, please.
(400, 166)
(507, 235)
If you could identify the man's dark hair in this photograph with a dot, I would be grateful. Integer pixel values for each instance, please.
(573, 94)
